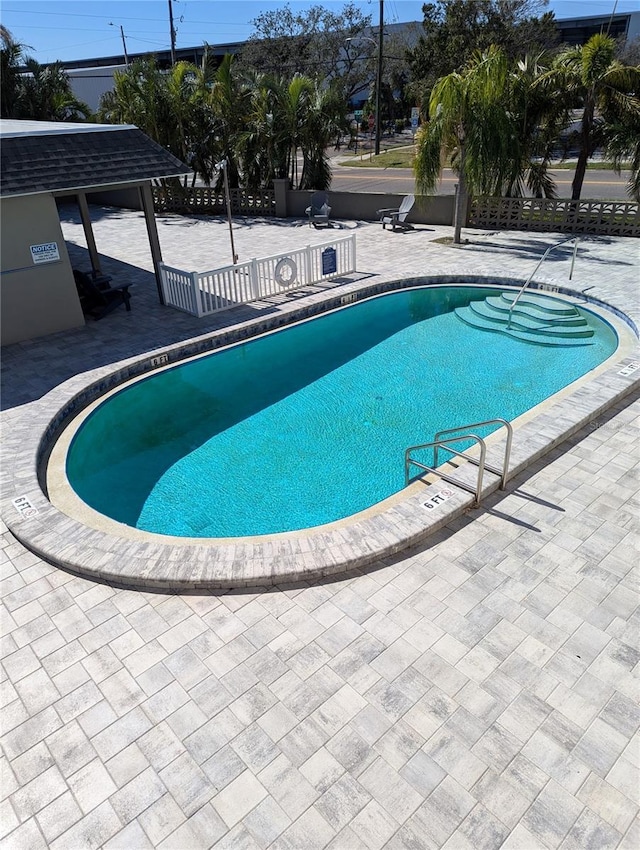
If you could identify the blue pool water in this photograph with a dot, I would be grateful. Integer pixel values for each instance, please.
(309, 424)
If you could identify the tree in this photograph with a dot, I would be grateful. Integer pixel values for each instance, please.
(227, 100)
(11, 57)
(606, 91)
(469, 121)
(34, 91)
(313, 44)
(261, 148)
(623, 146)
(256, 122)
(454, 29)
(538, 117)
(325, 121)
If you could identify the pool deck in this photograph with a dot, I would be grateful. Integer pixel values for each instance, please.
(477, 691)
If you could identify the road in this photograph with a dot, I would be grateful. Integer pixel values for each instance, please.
(604, 185)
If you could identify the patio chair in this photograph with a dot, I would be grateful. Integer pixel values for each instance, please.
(97, 296)
(397, 217)
(319, 209)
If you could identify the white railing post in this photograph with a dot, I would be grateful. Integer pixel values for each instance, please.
(163, 284)
(254, 276)
(353, 252)
(307, 266)
(195, 294)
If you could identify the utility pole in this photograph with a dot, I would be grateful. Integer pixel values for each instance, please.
(613, 11)
(379, 78)
(124, 46)
(124, 43)
(173, 34)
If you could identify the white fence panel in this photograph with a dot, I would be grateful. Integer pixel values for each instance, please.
(203, 293)
(180, 290)
(223, 288)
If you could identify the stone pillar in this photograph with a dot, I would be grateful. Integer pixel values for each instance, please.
(280, 187)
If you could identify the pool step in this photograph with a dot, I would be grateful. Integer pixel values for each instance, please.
(500, 306)
(541, 303)
(536, 318)
(570, 326)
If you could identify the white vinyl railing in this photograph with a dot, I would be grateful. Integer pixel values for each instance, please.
(203, 293)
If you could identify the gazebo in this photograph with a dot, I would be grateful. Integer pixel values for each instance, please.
(41, 161)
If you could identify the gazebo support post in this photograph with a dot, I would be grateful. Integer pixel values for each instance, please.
(88, 232)
(146, 199)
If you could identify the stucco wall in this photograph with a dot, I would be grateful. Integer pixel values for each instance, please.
(436, 209)
(36, 299)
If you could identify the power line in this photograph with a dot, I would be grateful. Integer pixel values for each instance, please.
(120, 17)
(69, 29)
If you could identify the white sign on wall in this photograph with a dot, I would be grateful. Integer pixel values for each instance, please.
(45, 253)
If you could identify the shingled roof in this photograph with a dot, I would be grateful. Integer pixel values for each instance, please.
(40, 156)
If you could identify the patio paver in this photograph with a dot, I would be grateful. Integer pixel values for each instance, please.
(477, 691)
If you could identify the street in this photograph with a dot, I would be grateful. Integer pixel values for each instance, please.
(598, 184)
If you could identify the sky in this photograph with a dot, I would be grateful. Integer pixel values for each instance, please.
(81, 29)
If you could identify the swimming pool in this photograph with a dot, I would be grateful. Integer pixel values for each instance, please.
(308, 424)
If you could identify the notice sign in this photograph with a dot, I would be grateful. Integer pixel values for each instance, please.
(329, 261)
(45, 253)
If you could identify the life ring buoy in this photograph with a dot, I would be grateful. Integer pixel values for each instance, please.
(285, 271)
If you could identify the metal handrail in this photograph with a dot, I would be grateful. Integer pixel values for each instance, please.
(503, 473)
(480, 464)
(542, 259)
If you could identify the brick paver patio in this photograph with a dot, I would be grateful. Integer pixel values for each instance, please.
(477, 692)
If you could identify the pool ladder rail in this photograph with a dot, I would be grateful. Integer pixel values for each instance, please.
(443, 440)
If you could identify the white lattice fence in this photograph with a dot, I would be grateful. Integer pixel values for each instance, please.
(204, 199)
(611, 218)
(203, 293)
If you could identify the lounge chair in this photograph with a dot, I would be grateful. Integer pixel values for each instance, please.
(319, 209)
(97, 296)
(397, 217)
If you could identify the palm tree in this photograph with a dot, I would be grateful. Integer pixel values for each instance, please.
(167, 106)
(623, 146)
(325, 120)
(469, 121)
(228, 101)
(45, 95)
(591, 76)
(39, 92)
(136, 98)
(263, 153)
(11, 57)
(539, 116)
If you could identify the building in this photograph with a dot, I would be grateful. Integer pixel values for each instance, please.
(91, 78)
(575, 31)
(39, 162)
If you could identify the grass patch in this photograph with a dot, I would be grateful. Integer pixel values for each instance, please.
(401, 158)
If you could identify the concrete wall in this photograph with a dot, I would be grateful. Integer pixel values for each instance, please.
(128, 199)
(290, 203)
(36, 299)
(436, 209)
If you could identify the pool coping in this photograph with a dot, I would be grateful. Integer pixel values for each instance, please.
(290, 556)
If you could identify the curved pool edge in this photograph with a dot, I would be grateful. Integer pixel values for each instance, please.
(273, 559)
